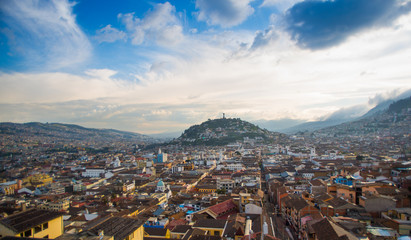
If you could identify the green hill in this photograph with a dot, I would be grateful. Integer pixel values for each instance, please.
(223, 131)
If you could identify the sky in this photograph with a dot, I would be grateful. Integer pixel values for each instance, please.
(162, 66)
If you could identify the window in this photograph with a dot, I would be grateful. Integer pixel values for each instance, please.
(37, 229)
(45, 225)
(27, 233)
(216, 233)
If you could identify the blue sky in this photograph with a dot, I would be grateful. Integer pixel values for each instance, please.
(157, 66)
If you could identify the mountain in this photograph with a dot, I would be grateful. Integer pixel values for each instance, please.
(166, 135)
(69, 132)
(392, 121)
(314, 125)
(223, 131)
(278, 125)
(346, 115)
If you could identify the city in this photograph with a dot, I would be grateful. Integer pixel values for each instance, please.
(205, 119)
(261, 185)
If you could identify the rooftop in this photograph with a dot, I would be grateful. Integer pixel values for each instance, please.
(28, 219)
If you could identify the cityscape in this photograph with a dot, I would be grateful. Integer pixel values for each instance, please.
(205, 120)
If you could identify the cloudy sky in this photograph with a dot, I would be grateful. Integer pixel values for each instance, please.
(161, 66)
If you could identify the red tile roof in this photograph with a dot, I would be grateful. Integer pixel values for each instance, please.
(223, 208)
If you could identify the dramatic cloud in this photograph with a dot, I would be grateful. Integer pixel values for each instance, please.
(321, 24)
(395, 95)
(110, 34)
(159, 25)
(241, 72)
(45, 32)
(224, 13)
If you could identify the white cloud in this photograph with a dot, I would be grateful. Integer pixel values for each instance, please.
(110, 34)
(46, 33)
(224, 13)
(202, 78)
(264, 38)
(159, 25)
(59, 87)
(281, 5)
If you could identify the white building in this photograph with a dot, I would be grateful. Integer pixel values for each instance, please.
(227, 184)
(231, 167)
(93, 172)
(117, 163)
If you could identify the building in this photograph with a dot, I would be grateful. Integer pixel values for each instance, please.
(33, 223)
(161, 157)
(57, 205)
(120, 228)
(221, 210)
(398, 219)
(226, 184)
(38, 180)
(8, 188)
(213, 227)
(93, 172)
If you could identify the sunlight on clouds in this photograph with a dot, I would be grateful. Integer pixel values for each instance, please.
(58, 87)
(252, 75)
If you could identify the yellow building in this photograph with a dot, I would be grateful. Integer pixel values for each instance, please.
(57, 205)
(33, 223)
(38, 180)
(214, 227)
(8, 188)
(206, 188)
(179, 231)
(161, 197)
(156, 232)
(121, 228)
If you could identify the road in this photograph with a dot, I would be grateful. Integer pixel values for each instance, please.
(276, 224)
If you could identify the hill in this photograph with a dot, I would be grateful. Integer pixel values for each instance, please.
(223, 131)
(52, 132)
(343, 115)
(394, 121)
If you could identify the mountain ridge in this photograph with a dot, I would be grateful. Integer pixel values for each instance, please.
(394, 120)
(62, 131)
(343, 115)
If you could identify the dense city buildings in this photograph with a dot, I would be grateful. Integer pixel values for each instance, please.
(271, 187)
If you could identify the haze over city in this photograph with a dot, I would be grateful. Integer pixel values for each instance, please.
(161, 66)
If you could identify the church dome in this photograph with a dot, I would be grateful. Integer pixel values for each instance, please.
(160, 183)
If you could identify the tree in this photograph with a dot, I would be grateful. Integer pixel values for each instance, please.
(220, 191)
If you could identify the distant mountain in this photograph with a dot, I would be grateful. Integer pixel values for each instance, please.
(314, 125)
(380, 108)
(345, 115)
(278, 125)
(166, 135)
(224, 131)
(395, 120)
(69, 132)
